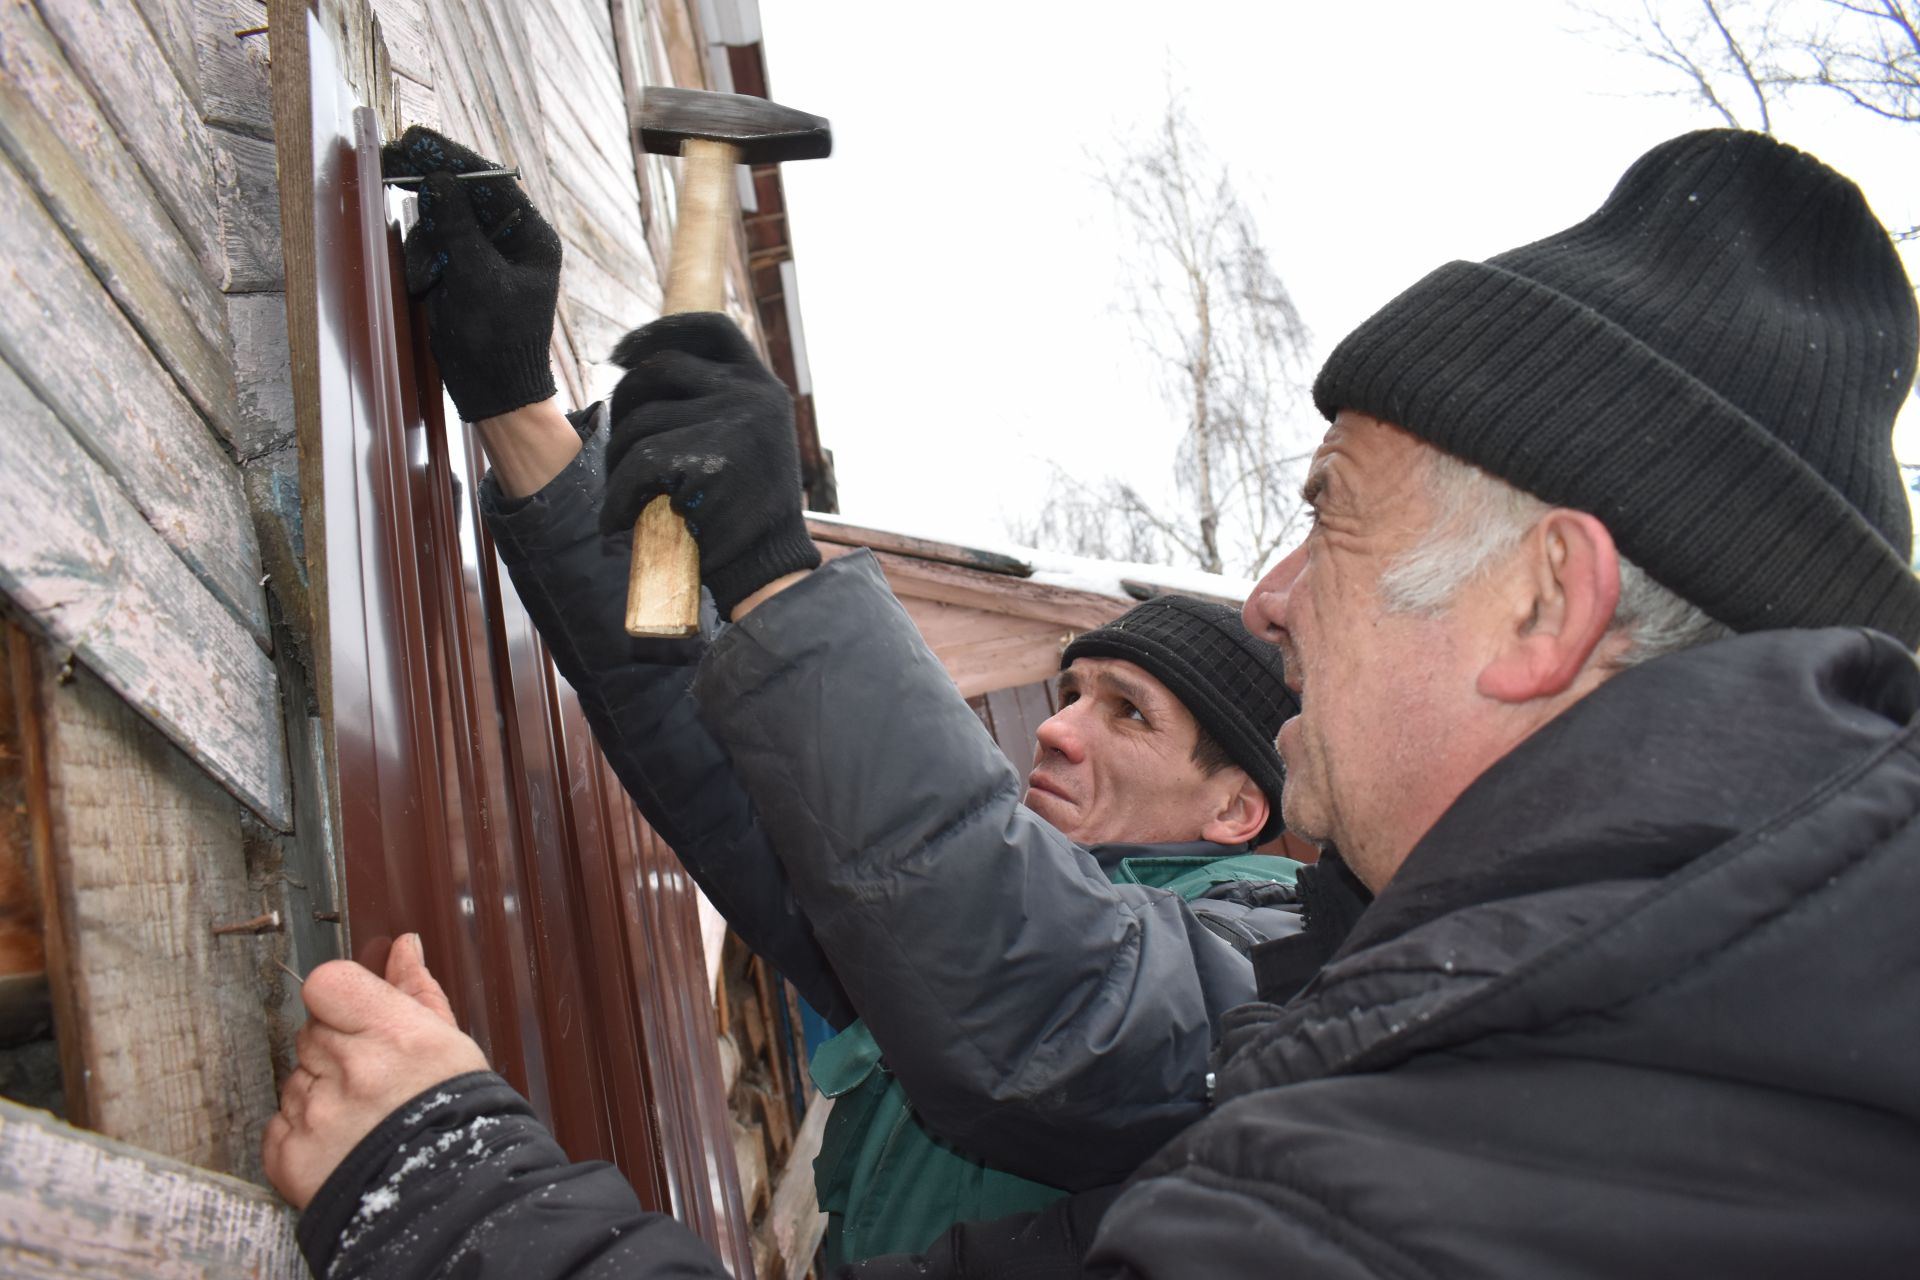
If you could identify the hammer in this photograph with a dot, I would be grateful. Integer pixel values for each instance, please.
(711, 132)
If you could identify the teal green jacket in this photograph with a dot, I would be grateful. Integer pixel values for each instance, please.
(888, 1184)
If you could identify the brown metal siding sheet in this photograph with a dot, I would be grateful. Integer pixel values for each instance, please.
(474, 806)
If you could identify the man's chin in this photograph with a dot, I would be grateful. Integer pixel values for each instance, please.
(1053, 808)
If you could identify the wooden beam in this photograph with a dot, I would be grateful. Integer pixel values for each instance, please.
(795, 1221)
(851, 535)
(23, 953)
(74, 1204)
(66, 338)
(990, 592)
(145, 858)
(91, 574)
(52, 129)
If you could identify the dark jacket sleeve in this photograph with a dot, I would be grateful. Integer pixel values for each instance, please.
(1040, 1017)
(463, 1181)
(635, 694)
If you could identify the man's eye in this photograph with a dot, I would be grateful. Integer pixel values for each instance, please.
(1130, 712)
(1068, 697)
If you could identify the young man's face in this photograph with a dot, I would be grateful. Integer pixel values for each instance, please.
(1115, 763)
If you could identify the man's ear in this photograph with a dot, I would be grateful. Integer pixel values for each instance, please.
(1558, 607)
(1243, 810)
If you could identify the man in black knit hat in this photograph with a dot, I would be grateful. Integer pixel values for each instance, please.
(1604, 643)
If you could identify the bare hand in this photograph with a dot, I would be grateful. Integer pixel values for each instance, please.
(368, 1047)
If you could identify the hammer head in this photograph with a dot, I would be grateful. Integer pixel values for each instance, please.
(765, 132)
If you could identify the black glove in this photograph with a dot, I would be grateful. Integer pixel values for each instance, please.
(699, 418)
(489, 267)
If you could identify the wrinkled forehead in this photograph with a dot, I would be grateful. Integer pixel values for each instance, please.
(1364, 451)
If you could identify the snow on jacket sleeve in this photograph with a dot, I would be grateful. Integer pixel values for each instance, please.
(1041, 1018)
(635, 695)
(463, 1181)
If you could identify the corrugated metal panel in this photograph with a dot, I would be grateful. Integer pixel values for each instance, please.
(474, 806)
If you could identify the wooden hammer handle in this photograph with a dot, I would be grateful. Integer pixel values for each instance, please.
(663, 588)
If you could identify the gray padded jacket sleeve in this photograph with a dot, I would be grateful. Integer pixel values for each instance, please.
(1041, 1018)
(636, 697)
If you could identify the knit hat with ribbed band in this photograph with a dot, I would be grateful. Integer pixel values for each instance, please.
(1711, 364)
(1234, 685)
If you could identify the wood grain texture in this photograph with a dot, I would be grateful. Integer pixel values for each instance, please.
(62, 332)
(263, 372)
(74, 1204)
(230, 72)
(795, 1222)
(147, 856)
(58, 137)
(114, 51)
(77, 558)
(991, 592)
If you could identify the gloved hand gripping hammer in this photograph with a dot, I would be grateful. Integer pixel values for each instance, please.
(712, 132)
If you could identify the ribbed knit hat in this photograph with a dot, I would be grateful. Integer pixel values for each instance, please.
(1711, 364)
(1234, 685)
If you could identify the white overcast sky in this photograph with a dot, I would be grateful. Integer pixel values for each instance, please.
(956, 257)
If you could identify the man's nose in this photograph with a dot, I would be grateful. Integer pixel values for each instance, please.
(1265, 612)
(1060, 733)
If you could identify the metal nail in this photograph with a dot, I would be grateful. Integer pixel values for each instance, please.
(291, 972)
(462, 177)
(268, 923)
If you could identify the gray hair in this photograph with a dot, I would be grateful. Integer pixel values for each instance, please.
(1478, 518)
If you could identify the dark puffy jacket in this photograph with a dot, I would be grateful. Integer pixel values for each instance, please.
(1076, 1015)
(1645, 1001)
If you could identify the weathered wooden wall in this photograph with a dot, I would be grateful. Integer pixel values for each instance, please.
(89, 1208)
(156, 587)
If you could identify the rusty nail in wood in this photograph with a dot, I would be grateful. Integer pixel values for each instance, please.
(268, 923)
(327, 917)
(462, 177)
(291, 972)
(244, 32)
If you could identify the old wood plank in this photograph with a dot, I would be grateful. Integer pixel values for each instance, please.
(995, 593)
(249, 192)
(172, 23)
(23, 951)
(148, 856)
(52, 129)
(416, 103)
(853, 535)
(262, 372)
(561, 37)
(75, 1204)
(232, 89)
(217, 185)
(795, 1221)
(60, 331)
(114, 52)
(403, 26)
(78, 559)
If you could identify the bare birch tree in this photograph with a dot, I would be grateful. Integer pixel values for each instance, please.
(1743, 58)
(1211, 311)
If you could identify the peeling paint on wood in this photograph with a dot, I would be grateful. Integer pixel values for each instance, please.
(74, 1204)
(195, 170)
(78, 559)
(55, 133)
(62, 332)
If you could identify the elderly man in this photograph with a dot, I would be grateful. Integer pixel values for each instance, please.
(1604, 637)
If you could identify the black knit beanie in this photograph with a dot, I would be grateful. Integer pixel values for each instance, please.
(1711, 364)
(1232, 683)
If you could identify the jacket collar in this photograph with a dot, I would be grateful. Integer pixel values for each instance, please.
(1660, 764)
